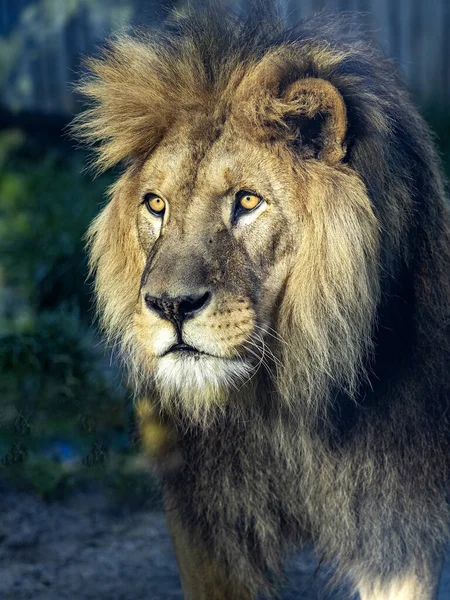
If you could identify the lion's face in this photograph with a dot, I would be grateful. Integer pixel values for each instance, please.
(218, 224)
(240, 245)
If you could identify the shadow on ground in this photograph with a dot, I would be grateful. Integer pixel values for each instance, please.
(86, 549)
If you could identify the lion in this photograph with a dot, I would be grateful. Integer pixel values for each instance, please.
(273, 264)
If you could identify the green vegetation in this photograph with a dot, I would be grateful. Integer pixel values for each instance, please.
(65, 419)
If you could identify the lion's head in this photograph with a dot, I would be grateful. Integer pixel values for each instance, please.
(240, 252)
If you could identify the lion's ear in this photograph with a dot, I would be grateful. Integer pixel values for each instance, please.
(312, 112)
(306, 111)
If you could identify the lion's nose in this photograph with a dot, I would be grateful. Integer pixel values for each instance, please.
(179, 308)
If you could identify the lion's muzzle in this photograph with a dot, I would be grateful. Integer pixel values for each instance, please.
(178, 309)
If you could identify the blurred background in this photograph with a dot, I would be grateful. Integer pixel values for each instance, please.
(66, 421)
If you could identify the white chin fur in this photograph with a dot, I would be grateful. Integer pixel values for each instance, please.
(196, 383)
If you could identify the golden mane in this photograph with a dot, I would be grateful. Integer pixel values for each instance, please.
(142, 85)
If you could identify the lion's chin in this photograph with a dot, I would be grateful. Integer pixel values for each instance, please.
(194, 384)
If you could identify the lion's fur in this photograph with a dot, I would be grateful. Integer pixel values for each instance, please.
(345, 440)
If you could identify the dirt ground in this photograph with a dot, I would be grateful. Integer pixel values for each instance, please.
(85, 549)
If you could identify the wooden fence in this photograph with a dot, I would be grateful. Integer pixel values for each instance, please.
(41, 42)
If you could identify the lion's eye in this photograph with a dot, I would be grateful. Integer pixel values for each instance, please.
(245, 202)
(155, 204)
(248, 201)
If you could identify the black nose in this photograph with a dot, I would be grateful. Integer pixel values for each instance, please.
(179, 308)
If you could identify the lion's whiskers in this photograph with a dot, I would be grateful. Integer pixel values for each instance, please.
(272, 332)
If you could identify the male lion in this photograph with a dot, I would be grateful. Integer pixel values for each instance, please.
(274, 263)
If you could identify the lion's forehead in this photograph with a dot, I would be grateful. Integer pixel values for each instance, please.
(188, 168)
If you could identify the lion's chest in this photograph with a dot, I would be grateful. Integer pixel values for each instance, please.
(242, 493)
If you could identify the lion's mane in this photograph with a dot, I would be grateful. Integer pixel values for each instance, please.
(366, 313)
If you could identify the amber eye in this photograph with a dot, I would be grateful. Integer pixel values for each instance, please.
(155, 204)
(248, 201)
(245, 202)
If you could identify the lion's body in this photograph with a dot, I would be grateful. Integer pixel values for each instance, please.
(340, 435)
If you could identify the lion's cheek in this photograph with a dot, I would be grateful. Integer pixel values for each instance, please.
(272, 289)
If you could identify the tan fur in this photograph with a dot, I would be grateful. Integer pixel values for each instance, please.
(333, 290)
(314, 307)
(337, 249)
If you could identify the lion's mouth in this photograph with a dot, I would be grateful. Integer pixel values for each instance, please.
(183, 348)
